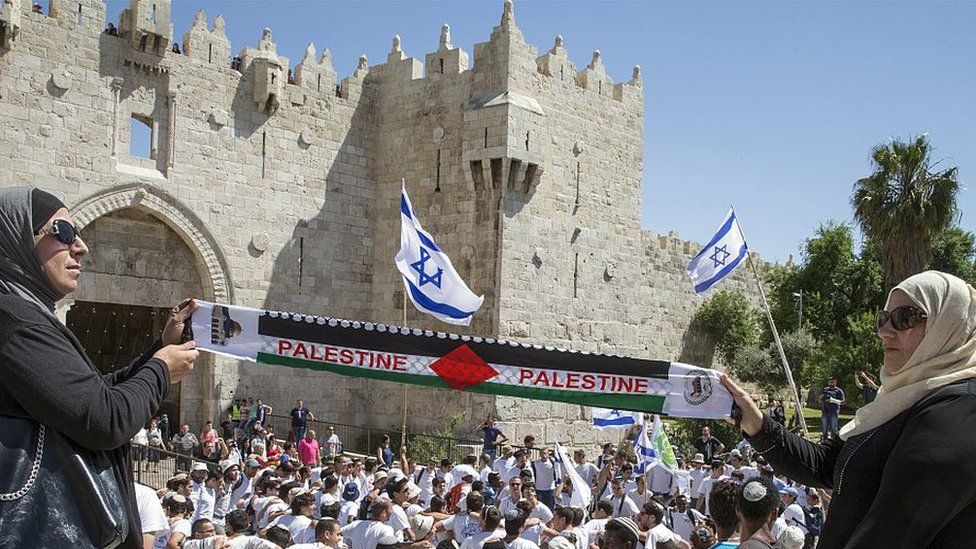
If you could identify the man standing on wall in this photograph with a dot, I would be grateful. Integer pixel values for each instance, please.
(493, 437)
(299, 420)
(831, 399)
(708, 445)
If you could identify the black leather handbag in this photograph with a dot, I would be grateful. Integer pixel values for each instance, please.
(54, 494)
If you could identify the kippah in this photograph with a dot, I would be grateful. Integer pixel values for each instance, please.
(43, 206)
(754, 491)
(629, 524)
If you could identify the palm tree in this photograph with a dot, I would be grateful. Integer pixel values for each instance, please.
(904, 205)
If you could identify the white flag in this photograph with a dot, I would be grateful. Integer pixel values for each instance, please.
(720, 256)
(606, 418)
(581, 490)
(429, 277)
(644, 450)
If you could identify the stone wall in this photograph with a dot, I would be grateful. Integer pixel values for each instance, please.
(285, 192)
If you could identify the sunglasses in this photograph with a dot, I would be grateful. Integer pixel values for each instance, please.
(902, 318)
(64, 231)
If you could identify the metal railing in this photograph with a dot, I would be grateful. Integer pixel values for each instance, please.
(361, 439)
(154, 466)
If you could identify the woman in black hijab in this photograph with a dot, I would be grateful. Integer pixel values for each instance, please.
(46, 377)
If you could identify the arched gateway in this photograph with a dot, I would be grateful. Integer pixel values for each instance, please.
(147, 252)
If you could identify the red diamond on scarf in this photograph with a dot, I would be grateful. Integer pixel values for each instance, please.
(462, 368)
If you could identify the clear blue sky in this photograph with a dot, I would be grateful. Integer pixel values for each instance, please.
(773, 107)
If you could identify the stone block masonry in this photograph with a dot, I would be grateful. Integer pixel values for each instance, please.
(276, 186)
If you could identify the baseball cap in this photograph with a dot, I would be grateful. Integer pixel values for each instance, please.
(789, 490)
(735, 453)
(296, 491)
(379, 475)
(467, 470)
(226, 465)
(252, 463)
(699, 458)
(350, 492)
(413, 490)
(199, 466)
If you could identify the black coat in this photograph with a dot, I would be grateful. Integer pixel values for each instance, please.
(46, 377)
(910, 483)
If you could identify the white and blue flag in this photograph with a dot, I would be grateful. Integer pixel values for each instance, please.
(429, 277)
(644, 450)
(605, 418)
(720, 256)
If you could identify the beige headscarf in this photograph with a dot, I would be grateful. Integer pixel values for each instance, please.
(945, 355)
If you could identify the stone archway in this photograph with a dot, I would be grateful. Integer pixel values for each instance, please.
(148, 251)
(168, 210)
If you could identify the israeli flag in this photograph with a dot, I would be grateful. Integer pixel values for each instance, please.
(720, 256)
(647, 457)
(429, 277)
(605, 418)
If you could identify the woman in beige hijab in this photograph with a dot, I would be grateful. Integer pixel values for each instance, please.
(903, 472)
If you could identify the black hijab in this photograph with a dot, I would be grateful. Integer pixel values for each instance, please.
(20, 266)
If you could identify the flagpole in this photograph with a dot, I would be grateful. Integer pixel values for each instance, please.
(779, 347)
(403, 427)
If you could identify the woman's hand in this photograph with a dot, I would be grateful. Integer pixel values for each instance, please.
(179, 359)
(752, 416)
(173, 332)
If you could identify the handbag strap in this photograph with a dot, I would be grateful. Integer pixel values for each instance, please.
(35, 468)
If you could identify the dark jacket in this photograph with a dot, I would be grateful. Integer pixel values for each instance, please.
(46, 376)
(909, 483)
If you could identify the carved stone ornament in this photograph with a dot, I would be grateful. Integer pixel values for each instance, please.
(307, 137)
(61, 79)
(610, 270)
(260, 242)
(578, 148)
(438, 133)
(217, 117)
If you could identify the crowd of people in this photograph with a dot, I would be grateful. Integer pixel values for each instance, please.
(311, 494)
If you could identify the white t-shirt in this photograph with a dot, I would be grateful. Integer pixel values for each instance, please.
(426, 483)
(520, 543)
(348, 509)
(624, 507)
(398, 521)
(640, 499)
(477, 541)
(697, 476)
(682, 480)
(182, 526)
(660, 480)
(545, 473)
(272, 508)
(541, 512)
(594, 528)
(793, 515)
(332, 445)
(658, 534)
(365, 534)
(705, 488)
(241, 542)
(463, 525)
(681, 524)
(151, 513)
(533, 533)
(204, 499)
(315, 545)
(504, 505)
(299, 526)
(587, 471)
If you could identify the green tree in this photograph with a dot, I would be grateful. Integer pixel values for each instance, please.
(954, 251)
(729, 323)
(903, 205)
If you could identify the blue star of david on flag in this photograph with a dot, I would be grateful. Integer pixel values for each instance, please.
(429, 277)
(604, 418)
(419, 266)
(720, 256)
